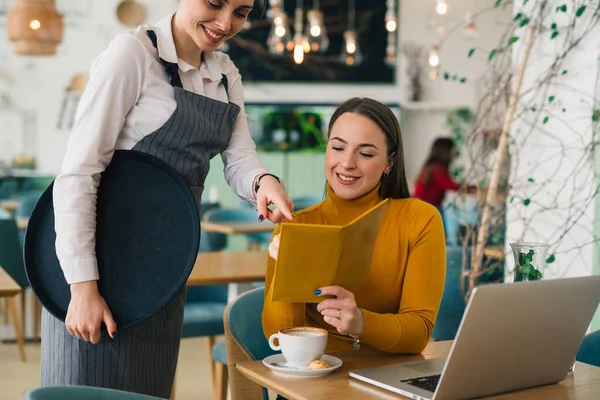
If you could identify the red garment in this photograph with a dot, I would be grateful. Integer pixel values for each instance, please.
(434, 190)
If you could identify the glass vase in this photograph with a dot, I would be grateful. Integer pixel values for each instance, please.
(530, 260)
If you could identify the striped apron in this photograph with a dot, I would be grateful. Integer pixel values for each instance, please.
(143, 358)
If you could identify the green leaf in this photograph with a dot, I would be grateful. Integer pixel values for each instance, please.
(530, 254)
(522, 259)
(531, 180)
(564, 110)
(596, 115)
(553, 26)
(446, 76)
(562, 8)
(526, 202)
(550, 259)
(533, 109)
(497, 3)
(551, 99)
(492, 54)
(512, 40)
(482, 183)
(511, 199)
(580, 11)
(455, 77)
(564, 72)
(471, 53)
(518, 16)
(463, 80)
(524, 22)
(554, 34)
(545, 121)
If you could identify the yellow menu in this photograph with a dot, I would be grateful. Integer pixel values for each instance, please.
(312, 256)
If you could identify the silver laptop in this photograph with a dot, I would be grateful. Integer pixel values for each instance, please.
(512, 336)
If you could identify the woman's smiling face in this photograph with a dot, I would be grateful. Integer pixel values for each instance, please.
(356, 156)
(209, 23)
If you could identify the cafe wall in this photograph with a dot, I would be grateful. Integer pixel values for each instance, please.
(37, 84)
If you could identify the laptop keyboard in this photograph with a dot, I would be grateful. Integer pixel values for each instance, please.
(424, 382)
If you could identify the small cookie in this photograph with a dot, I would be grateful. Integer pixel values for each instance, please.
(319, 364)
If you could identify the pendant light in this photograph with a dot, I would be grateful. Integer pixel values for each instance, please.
(279, 38)
(316, 33)
(351, 54)
(34, 27)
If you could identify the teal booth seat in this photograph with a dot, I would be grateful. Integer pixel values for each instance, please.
(304, 202)
(8, 188)
(589, 351)
(27, 201)
(83, 393)
(244, 319)
(219, 240)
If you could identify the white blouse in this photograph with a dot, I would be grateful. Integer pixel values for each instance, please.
(128, 97)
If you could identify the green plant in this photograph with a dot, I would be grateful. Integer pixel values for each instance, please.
(526, 271)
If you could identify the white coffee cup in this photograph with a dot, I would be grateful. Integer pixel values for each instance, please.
(300, 345)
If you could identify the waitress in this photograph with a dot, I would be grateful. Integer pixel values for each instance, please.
(160, 89)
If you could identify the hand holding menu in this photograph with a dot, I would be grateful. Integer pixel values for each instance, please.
(312, 256)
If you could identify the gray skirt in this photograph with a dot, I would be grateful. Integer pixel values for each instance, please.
(141, 359)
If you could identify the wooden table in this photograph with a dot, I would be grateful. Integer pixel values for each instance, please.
(232, 268)
(231, 228)
(9, 205)
(9, 290)
(584, 384)
(220, 267)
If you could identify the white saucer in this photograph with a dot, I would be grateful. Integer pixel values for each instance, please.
(298, 372)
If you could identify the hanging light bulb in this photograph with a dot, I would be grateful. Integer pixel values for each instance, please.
(434, 58)
(470, 30)
(351, 54)
(433, 74)
(300, 43)
(279, 36)
(442, 7)
(391, 23)
(315, 32)
(35, 27)
(390, 50)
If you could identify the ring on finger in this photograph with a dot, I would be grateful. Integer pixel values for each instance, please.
(338, 314)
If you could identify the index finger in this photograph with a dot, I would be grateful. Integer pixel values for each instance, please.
(285, 208)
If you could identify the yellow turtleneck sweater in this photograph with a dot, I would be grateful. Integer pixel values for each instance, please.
(401, 295)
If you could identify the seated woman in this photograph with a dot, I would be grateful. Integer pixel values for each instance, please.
(395, 307)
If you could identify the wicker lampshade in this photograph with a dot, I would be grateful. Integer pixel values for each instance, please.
(34, 27)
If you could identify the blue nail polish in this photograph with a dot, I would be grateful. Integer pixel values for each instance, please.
(317, 307)
(317, 292)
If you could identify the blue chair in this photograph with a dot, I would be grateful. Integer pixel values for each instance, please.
(589, 351)
(8, 188)
(218, 241)
(27, 200)
(453, 303)
(11, 260)
(245, 341)
(204, 238)
(83, 393)
(304, 202)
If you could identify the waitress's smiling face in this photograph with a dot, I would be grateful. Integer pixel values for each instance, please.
(210, 22)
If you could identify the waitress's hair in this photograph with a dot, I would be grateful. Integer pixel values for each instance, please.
(394, 185)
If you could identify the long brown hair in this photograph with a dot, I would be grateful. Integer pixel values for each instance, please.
(441, 154)
(394, 185)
